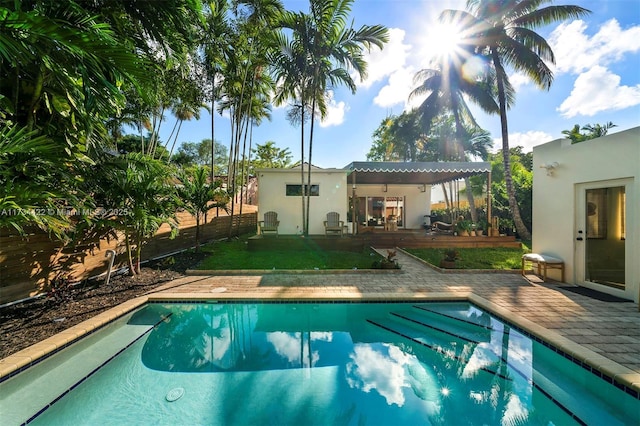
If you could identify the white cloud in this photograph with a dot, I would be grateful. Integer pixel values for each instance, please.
(598, 90)
(370, 369)
(518, 80)
(397, 89)
(382, 63)
(575, 51)
(335, 112)
(287, 345)
(526, 140)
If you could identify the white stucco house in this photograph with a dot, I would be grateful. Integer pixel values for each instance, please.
(586, 210)
(380, 189)
(280, 190)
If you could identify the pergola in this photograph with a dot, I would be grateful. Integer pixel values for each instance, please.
(420, 173)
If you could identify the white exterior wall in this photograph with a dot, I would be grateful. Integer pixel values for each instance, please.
(272, 197)
(608, 161)
(417, 203)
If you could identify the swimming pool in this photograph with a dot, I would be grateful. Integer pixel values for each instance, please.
(312, 363)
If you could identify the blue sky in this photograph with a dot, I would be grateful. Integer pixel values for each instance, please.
(597, 80)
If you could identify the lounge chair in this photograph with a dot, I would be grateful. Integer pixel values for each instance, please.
(438, 226)
(269, 224)
(333, 224)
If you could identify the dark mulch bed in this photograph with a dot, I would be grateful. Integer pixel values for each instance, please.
(25, 324)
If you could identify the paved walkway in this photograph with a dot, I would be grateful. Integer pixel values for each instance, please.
(593, 331)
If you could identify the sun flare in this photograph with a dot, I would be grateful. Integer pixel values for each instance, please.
(443, 39)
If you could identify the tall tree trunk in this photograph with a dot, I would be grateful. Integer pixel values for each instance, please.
(471, 200)
(138, 252)
(313, 111)
(244, 168)
(155, 133)
(127, 242)
(462, 157)
(304, 230)
(233, 161)
(174, 141)
(230, 169)
(506, 155)
(213, 128)
(447, 203)
(173, 130)
(197, 231)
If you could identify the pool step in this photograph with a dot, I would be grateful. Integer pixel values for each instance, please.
(57, 374)
(452, 328)
(453, 352)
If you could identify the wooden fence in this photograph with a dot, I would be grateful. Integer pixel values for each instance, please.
(28, 264)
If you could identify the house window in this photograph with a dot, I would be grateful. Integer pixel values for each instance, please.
(294, 190)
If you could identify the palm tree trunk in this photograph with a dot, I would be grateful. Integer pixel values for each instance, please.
(197, 231)
(447, 204)
(233, 171)
(462, 157)
(138, 252)
(245, 166)
(213, 128)
(173, 130)
(173, 145)
(313, 111)
(506, 155)
(471, 200)
(304, 230)
(127, 242)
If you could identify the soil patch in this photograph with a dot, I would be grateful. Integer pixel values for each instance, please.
(25, 324)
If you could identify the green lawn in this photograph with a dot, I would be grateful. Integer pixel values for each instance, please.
(234, 255)
(476, 258)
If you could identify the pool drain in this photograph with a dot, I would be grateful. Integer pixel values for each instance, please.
(175, 394)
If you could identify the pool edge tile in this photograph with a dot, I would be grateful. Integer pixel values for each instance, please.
(13, 363)
(631, 379)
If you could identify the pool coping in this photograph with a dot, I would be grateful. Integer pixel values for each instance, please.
(611, 371)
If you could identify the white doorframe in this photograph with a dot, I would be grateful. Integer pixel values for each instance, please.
(580, 239)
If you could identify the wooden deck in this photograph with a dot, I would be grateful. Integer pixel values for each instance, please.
(379, 239)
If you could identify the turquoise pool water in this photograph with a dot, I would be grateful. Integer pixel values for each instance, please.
(312, 364)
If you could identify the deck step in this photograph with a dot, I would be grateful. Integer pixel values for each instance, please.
(379, 239)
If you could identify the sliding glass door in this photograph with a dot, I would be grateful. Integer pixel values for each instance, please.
(601, 240)
(376, 211)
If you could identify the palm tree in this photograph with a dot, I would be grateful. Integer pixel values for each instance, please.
(182, 111)
(447, 88)
(216, 48)
(197, 194)
(325, 49)
(598, 130)
(27, 164)
(574, 134)
(140, 196)
(289, 68)
(503, 31)
(592, 131)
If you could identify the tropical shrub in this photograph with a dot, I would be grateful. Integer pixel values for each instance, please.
(136, 198)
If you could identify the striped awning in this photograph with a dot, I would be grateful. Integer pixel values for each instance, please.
(428, 173)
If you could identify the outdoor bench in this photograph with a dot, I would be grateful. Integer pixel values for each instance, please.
(543, 262)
